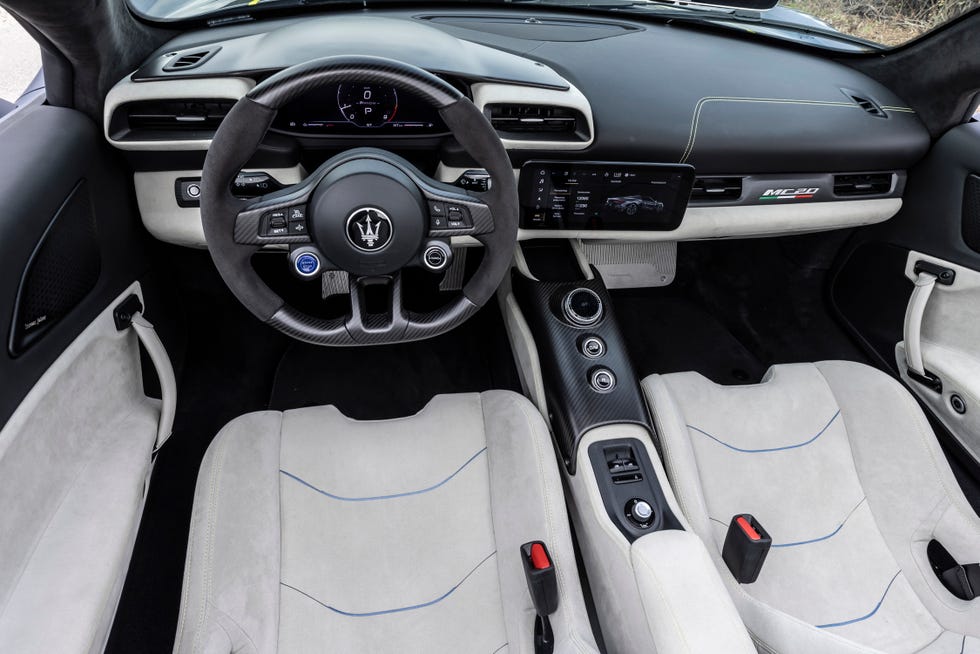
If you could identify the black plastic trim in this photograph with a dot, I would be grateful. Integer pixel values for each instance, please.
(617, 495)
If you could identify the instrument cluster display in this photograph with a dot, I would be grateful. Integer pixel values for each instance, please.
(603, 196)
(361, 109)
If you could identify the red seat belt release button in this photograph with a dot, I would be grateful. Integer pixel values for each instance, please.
(539, 557)
(747, 528)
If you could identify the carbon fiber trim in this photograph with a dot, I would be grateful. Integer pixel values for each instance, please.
(293, 82)
(574, 408)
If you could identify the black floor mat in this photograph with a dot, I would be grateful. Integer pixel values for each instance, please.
(735, 309)
(373, 383)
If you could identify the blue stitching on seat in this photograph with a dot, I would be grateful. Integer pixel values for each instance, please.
(768, 449)
(812, 540)
(383, 497)
(400, 609)
(830, 535)
(863, 617)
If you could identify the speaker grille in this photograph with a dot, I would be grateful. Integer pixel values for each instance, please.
(64, 268)
(971, 212)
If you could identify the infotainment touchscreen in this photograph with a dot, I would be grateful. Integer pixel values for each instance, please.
(603, 196)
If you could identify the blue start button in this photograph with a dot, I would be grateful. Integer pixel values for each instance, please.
(307, 264)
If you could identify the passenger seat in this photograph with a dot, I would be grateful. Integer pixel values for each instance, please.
(839, 465)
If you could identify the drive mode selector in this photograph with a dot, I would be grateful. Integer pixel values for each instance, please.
(582, 307)
(640, 513)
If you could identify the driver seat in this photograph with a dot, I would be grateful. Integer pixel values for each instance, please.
(313, 532)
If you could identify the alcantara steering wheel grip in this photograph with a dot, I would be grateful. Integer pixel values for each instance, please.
(367, 209)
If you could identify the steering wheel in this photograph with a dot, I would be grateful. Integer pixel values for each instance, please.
(365, 211)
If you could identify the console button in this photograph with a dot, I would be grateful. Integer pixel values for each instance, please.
(592, 347)
(640, 513)
(307, 264)
(582, 307)
(297, 228)
(297, 213)
(436, 256)
(602, 380)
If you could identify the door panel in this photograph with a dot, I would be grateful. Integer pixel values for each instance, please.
(949, 338)
(874, 283)
(58, 178)
(77, 431)
(74, 462)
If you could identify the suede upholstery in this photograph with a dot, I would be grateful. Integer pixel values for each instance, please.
(75, 460)
(838, 463)
(312, 532)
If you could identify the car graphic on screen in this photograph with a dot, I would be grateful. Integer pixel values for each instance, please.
(631, 204)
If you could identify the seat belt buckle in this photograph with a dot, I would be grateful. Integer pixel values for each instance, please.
(542, 584)
(746, 547)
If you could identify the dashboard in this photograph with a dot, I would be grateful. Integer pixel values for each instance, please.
(724, 136)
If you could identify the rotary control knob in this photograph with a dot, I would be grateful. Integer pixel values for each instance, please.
(582, 307)
(640, 513)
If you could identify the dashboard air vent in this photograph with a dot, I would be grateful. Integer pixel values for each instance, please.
(533, 118)
(863, 184)
(716, 189)
(188, 59)
(869, 106)
(179, 119)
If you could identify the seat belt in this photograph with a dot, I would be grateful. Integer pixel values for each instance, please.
(927, 276)
(542, 583)
(129, 314)
(962, 580)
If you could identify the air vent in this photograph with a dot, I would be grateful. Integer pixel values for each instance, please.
(716, 189)
(177, 115)
(863, 184)
(868, 105)
(534, 119)
(160, 118)
(181, 61)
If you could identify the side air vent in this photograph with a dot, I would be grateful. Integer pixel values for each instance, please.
(161, 118)
(868, 105)
(716, 189)
(533, 118)
(188, 59)
(863, 184)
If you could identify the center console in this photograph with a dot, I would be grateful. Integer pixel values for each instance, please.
(654, 583)
(589, 382)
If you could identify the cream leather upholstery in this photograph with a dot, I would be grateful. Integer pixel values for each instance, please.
(838, 463)
(312, 532)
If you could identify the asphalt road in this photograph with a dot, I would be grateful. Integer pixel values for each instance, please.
(20, 58)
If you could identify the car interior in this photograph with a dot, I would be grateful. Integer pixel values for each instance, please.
(536, 327)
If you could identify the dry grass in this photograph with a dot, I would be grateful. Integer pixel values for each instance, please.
(888, 22)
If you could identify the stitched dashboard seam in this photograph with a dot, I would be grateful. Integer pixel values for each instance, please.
(696, 118)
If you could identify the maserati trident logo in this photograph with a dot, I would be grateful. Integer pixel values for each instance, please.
(369, 229)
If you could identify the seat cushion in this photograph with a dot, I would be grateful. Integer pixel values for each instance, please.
(313, 532)
(838, 463)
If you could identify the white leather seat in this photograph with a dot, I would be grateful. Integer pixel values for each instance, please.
(840, 466)
(312, 532)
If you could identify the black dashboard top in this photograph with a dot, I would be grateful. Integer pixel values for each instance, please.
(666, 93)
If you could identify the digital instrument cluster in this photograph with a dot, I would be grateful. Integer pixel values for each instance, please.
(603, 196)
(359, 108)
